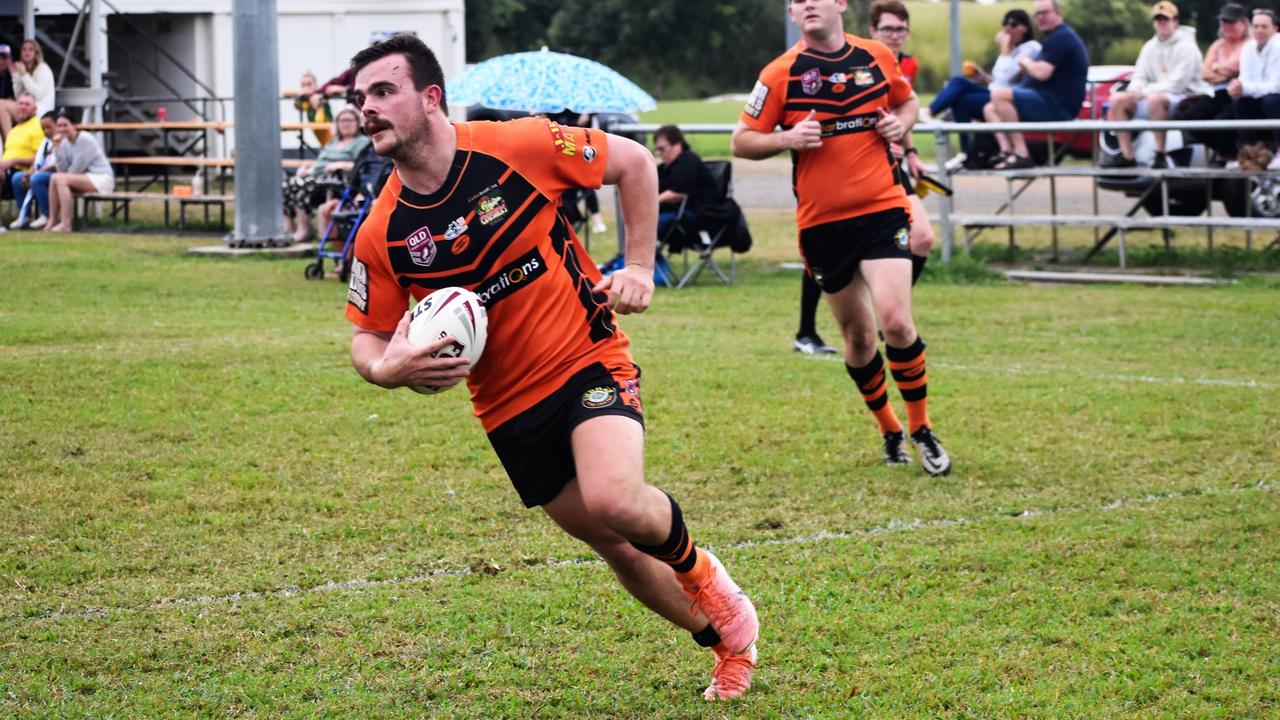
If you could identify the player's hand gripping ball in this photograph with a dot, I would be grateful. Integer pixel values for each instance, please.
(453, 312)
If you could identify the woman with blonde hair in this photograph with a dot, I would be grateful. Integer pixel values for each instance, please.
(31, 75)
(303, 192)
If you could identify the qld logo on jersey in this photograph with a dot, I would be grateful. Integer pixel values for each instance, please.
(421, 247)
(811, 81)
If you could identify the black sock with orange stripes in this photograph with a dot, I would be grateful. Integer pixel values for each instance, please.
(678, 550)
(909, 374)
(870, 381)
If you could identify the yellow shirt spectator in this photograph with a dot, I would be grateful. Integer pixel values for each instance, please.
(23, 142)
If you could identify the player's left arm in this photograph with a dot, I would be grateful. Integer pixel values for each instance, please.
(630, 167)
(896, 122)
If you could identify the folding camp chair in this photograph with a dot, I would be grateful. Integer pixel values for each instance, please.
(718, 224)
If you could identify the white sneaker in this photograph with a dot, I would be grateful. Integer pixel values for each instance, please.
(39, 223)
(924, 116)
(18, 224)
(1275, 163)
(598, 226)
(956, 162)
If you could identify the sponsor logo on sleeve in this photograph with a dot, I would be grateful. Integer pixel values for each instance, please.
(755, 103)
(598, 397)
(563, 141)
(358, 289)
(421, 246)
(589, 153)
(511, 277)
(811, 81)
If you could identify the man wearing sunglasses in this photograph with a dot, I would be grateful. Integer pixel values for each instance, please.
(1167, 72)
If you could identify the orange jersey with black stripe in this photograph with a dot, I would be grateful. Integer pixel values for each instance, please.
(853, 172)
(494, 227)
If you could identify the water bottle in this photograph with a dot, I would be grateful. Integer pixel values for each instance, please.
(197, 183)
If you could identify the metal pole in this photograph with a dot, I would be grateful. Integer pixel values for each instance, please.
(941, 142)
(259, 205)
(29, 20)
(96, 45)
(957, 62)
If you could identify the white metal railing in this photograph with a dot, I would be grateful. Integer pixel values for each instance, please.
(949, 219)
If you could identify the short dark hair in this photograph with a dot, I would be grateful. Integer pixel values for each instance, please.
(70, 114)
(51, 115)
(424, 68)
(671, 134)
(891, 7)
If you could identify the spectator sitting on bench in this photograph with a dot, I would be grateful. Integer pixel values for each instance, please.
(24, 139)
(1052, 91)
(313, 105)
(1221, 66)
(35, 181)
(1168, 71)
(32, 76)
(1256, 93)
(303, 192)
(82, 169)
(965, 96)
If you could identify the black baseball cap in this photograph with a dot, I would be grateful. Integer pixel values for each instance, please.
(1233, 12)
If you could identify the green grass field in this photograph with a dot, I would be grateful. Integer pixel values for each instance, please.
(204, 512)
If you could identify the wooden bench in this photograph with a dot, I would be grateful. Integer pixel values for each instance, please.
(121, 201)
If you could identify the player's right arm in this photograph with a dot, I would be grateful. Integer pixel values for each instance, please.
(754, 138)
(755, 145)
(389, 360)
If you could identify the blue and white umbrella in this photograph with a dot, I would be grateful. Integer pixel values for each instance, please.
(547, 82)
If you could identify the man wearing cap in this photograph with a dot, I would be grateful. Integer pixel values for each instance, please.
(1221, 66)
(1256, 93)
(1167, 71)
(6, 77)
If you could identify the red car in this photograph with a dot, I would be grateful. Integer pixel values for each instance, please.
(1101, 80)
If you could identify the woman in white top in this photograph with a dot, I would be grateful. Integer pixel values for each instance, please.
(82, 168)
(32, 75)
(965, 97)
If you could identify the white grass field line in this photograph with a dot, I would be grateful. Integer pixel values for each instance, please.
(893, 526)
(1104, 377)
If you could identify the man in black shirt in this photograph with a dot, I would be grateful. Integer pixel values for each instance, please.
(681, 175)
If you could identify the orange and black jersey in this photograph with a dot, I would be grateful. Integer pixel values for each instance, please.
(852, 173)
(494, 227)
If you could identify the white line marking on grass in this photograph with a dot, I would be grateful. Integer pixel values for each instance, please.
(1108, 377)
(893, 526)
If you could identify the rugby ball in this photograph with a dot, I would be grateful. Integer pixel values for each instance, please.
(455, 312)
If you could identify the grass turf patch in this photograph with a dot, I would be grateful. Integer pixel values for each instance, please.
(205, 511)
